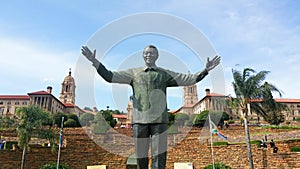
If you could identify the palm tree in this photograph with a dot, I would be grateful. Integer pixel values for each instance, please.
(248, 87)
(31, 121)
(272, 111)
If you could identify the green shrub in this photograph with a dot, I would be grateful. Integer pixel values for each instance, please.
(53, 165)
(217, 166)
(281, 127)
(57, 118)
(70, 123)
(200, 119)
(220, 143)
(230, 121)
(189, 122)
(86, 118)
(100, 128)
(75, 118)
(180, 118)
(257, 142)
(295, 149)
(8, 144)
(171, 118)
(216, 117)
(173, 129)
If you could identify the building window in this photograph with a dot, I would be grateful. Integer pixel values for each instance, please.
(9, 103)
(8, 111)
(38, 100)
(190, 89)
(1, 110)
(24, 103)
(67, 88)
(1, 103)
(42, 101)
(17, 103)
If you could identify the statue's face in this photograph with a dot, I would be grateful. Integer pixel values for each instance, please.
(150, 56)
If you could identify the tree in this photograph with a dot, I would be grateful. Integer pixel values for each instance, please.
(216, 117)
(116, 112)
(70, 123)
(248, 87)
(171, 118)
(107, 115)
(7, 122)
(57, 118)
(180, 118)
(272, 111)
(190, 121)
(201, 118)
(31, 120)
(87, 108)
(101, 125)
(86, 118)
(53, 165)
(217, 166)
(74, 121)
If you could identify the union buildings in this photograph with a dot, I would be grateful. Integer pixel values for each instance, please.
(66, 102)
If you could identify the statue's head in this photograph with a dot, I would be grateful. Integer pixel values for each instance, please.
(150, 55)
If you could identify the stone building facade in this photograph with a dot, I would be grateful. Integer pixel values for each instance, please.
(217, 103)
(67, 94)
(10, 103)
(211, 101)
(44, 99)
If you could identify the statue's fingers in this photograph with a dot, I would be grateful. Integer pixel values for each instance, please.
(217, 58)
(85, 48)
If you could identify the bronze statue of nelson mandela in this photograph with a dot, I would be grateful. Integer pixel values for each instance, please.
(149, 85)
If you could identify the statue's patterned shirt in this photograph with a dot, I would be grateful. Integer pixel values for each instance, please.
(149, 87)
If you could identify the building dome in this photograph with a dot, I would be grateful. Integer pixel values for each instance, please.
(69, 78)
(67, 94)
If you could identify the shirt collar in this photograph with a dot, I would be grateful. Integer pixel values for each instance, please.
(146, 68)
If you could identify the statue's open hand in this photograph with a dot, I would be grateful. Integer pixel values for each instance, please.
(211, 64)
(91, 56)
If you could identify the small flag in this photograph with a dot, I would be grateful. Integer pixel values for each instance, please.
(214, 130)
(61, 136)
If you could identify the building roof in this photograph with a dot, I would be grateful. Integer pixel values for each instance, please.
(190, 106)
(215, 95)
(42, 92)
(284, 100)
(15, 97)
(279, 100)
(70, 105)
(69, 78)
(119, 116)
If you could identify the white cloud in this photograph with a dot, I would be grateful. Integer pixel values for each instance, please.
(34, 66)
(255, 34)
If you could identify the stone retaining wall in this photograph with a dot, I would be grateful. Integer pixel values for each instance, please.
(81, 151)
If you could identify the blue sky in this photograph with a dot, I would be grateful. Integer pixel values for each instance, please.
(41, 40)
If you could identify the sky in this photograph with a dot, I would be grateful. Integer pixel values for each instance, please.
(41, 40)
